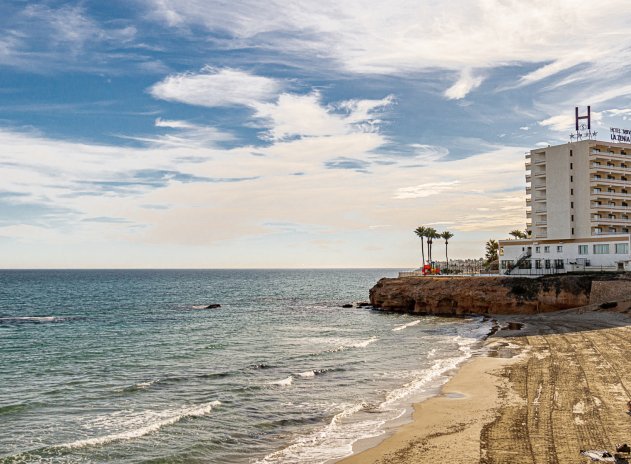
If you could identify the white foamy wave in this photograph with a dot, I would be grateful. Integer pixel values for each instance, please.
(31, 319)
(307, 374)
(199, 306)
(333, 441)
(360, 421)
(283, 382)
(176, 416)
(355, 344)
(363, 343)
(431, 353)
(405, 326)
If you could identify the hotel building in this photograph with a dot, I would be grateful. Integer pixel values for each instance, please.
(578, 210)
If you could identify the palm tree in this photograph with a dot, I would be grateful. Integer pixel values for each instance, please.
(431, 234)
(421, 232)
(446, 235)
(517, 234)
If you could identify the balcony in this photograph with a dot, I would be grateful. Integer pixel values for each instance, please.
(602, 220)
(528, 178)
(604, 169)
(607, 195)
(528, 190)
(540, 187)
(540, 174)
(609, 156)
(541, 223)
(606, 182)
(610, 207)
(608, 233)
(539, 162)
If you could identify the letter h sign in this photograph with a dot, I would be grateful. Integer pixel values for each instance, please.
(588, 117)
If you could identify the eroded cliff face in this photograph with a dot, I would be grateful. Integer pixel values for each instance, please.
(484, 295)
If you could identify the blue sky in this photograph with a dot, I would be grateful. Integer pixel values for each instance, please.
(172, 133)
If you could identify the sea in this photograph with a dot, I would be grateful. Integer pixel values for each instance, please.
(127, 366)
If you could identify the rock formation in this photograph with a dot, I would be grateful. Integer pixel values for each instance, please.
(490, 295)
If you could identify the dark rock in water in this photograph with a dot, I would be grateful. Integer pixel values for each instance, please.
(363, 304)
(347, 305)
(609, 305)
(213, 306)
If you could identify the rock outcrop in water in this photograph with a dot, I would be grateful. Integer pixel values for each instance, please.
(493, 295)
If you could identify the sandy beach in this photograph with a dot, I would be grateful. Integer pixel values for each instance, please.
(556, 385)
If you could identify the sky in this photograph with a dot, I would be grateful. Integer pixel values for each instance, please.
(287, 134)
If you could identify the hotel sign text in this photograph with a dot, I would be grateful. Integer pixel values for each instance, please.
(620, 135)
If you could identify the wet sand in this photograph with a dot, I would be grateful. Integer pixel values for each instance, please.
(557, 385)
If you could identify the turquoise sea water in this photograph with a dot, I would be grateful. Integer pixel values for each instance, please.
(124, 366)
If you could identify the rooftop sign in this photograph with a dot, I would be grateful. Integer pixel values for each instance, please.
(620, 135)
(583, 130)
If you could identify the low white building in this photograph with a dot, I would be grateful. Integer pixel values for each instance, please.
(577, 208)
(543, 256)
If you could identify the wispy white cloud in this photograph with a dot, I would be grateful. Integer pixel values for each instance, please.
(216, 87)
(425, 190)
(405, 36)
(467, 82)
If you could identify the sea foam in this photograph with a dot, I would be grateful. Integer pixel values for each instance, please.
(405, 326)
(176, 416)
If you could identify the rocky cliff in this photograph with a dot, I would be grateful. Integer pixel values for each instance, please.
(489, 295)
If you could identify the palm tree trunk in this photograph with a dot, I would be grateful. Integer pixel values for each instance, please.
(422, 252)
(446, 255)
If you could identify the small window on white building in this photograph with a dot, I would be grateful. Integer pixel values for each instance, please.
(546, 249)
(602, 249)
(537, 249)
(582, 249)
(622, 248)
(559, 248)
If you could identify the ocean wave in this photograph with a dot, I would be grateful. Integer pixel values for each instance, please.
(352, 344)
(314, 372)
(360, 421)
(33, 319)
(405, 326)
(195, 411)
(283, 382)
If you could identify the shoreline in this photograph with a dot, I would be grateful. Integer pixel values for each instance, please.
(532, 394)
(439, 421)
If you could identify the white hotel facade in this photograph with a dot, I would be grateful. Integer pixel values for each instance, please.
(578, 210)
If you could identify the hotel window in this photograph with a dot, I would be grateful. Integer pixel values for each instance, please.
(547, 264)
(571, 178)
(537, 249)
(602, 249)
(572, 217)
(571, 165)
(598, 230)
(571, 191)
(596, 190)
(546, 249)
(571, 154)
(537, 264)
(559, 248)
(572, 230)
(622, 248)
(571, 204)
(596, 176)
(582, 249)
(558, 263)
